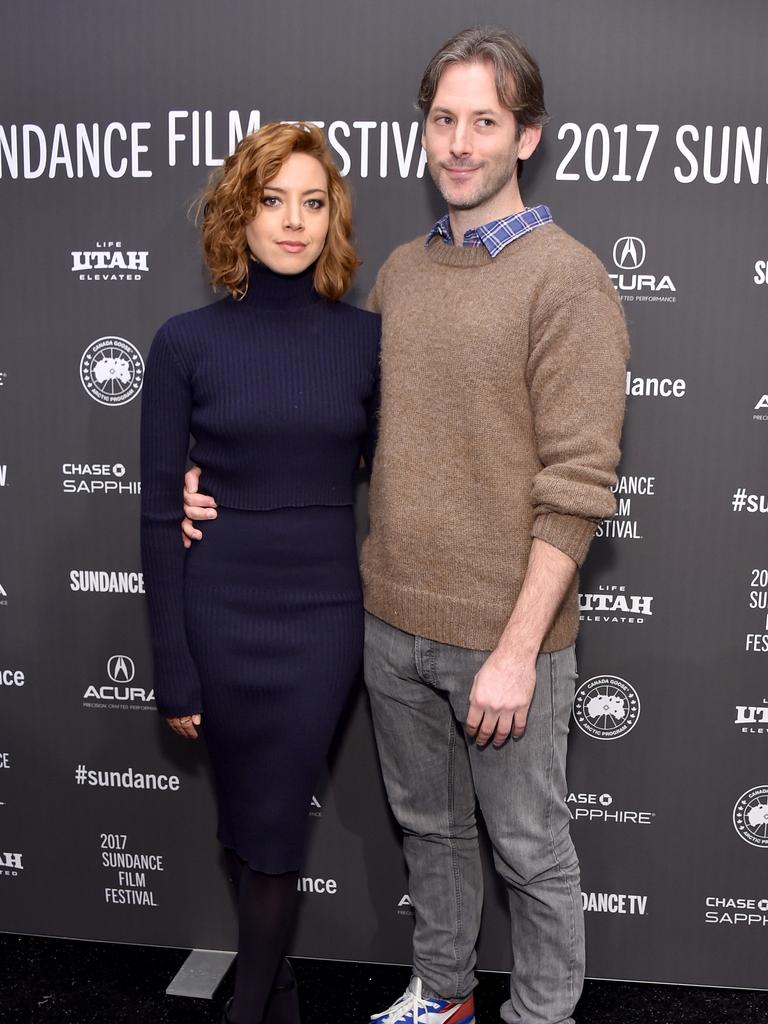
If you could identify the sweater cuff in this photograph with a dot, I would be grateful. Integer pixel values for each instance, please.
(177, 686)
(570, 534)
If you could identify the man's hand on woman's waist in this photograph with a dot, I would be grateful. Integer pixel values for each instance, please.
(199, 507)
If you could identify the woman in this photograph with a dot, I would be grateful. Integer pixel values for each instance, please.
(258, 632)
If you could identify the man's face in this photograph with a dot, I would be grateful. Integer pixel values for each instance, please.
(471, 139)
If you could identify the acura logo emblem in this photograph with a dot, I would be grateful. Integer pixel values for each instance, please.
(629, 253)
(120, 668)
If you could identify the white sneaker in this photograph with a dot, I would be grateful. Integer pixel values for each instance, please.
(412, 1008)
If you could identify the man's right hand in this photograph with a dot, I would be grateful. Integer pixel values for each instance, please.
(196, 507)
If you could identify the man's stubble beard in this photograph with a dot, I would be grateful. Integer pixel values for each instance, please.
(485, 190)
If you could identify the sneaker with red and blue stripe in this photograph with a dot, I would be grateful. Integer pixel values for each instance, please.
(414, 1008)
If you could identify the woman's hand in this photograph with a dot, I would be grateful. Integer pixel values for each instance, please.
(196, 506)
(185, 725)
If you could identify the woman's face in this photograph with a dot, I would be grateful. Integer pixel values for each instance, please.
(289, 231)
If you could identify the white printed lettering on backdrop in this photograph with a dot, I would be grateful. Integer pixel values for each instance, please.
(623, 153)
(194, 138)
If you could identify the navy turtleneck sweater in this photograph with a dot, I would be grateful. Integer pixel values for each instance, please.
(280, 392)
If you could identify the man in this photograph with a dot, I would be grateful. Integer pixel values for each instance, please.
(503, 361)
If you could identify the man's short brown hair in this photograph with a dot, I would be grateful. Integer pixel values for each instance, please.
(518, 79)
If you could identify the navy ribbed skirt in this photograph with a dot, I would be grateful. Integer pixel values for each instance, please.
(274, 615)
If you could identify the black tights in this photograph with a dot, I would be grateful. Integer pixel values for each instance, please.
(265, 908)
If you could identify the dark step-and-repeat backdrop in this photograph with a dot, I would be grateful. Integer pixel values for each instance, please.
(112, 116)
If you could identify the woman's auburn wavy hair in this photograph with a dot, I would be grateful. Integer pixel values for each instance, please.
(233, 199)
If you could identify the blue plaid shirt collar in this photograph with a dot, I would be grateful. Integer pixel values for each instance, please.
(497, 234)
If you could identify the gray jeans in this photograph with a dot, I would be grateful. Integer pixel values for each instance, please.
(419, 692)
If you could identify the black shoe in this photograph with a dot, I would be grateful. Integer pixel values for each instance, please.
(283, 1004)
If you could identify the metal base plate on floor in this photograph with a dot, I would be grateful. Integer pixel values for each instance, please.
(200, 974)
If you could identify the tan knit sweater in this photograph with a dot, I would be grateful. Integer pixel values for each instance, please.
(502, 403)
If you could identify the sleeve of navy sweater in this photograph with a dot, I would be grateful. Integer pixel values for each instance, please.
(165, 423)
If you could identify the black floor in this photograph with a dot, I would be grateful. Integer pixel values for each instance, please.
(53, 980)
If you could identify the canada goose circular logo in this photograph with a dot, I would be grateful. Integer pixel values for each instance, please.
(606, 707)
(121, 669)
(750, 816)
(112, 371)
(629, 253)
